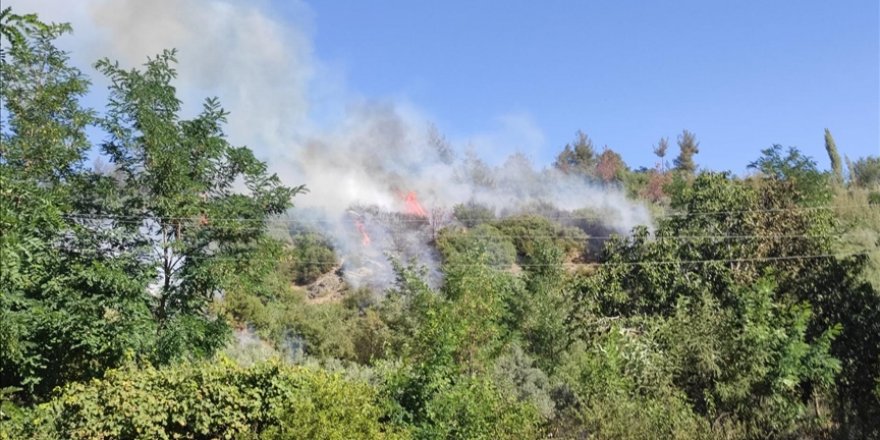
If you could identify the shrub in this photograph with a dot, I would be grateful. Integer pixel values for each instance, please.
(484, 239)
(218, 400)
(312, 257)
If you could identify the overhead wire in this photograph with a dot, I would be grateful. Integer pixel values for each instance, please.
(406, 218)
(562, 234)
(568, 264)
(396, 218)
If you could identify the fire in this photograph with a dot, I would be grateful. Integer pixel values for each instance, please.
(365, 238)
(413, 207)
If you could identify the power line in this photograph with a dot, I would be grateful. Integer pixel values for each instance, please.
(587, 238)
(562, 234)
(405, 218)
(591, 264)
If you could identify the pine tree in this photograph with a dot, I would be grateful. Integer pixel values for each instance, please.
(578, 157)
(660, 151)
(687, 143)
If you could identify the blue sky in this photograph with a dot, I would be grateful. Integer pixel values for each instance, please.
(515, 76)
(742, 75)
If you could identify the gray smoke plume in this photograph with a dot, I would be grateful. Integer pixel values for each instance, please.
(360, 159)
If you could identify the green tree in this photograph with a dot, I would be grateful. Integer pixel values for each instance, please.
(530, 232)
(312, 255)
(866, 172)
(179, 199)
(796, 172)
(752, 363)
(485, 239)
(474, 408)
(442, 386)
(578, 157)
(541, 311)
(72, 302)
(660, 151)
(688, 147)
(17, 29)
(834, 157)
(472, 214)
(615, 385)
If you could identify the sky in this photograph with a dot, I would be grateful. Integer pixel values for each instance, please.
(516, 76)
(742, 75)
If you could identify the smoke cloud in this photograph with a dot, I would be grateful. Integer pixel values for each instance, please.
(296, 113)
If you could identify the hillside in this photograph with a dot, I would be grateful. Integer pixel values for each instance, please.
(180, 290)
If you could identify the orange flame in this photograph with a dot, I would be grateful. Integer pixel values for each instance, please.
(365, 238)
(413, 207)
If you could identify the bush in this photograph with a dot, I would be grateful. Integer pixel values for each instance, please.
(472, 214)
(474, 408)
(484, 239)
(214, 400)
(312, 257)
(530, 233)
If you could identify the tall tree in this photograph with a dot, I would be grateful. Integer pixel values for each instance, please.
(182, 201)
(660, 152)
(688, 146)
(834, 157)
(578, 157)
(441, 145)
(70, 303)
(865, 172)
(610, 166)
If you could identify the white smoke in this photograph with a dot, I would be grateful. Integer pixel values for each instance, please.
(296, 113)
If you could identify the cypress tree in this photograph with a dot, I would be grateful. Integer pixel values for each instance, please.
(834, 156)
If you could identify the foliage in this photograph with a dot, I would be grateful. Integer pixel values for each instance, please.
(578, 157)
(749, 309)
(865, 172)
(618, 389)
(610, 167)
(540, 313)
(472, 408)
(688, 147)
(751, 364)
(442, 388)
(81, 249)
(530, 233)
(214, 400)
(69, 308)
(796, 171)
(660, 151)
(834, 158)
(473, 214)
(484, 239)
(516, 374)
(177, 177)
(312, 256)
(16, 28)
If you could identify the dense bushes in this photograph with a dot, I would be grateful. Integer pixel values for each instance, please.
(485, 239)
(213, 400)
(312, 256)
